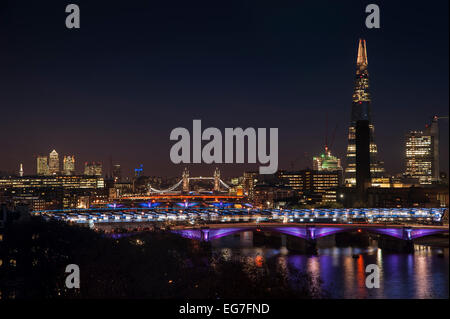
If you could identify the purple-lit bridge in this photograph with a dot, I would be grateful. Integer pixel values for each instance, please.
(308, 232)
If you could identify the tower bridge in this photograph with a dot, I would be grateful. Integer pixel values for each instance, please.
(184, 182)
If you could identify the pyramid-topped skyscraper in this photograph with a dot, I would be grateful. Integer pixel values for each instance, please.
(361, 110)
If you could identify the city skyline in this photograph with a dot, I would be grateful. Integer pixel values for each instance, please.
(281, 78)
(218, 151)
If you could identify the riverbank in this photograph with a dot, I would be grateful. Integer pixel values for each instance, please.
(440, 241)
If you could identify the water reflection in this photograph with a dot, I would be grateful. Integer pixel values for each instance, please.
(422, 274)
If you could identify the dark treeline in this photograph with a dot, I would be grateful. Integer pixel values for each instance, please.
(148, 265)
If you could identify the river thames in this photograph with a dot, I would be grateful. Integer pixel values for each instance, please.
(340, 271)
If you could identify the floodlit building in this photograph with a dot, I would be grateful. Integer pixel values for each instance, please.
(42, 166)
(422, 154)
(310, 181)
(53, 163)
(327, 163)
(361, 110)
(294, 180)
(52, 181)
(69, 165)
(249, 181)
(93, 169)
(21, 170)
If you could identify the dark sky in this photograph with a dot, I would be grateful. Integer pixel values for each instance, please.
(137, 69)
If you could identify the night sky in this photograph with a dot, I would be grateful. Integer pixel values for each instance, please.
(137, 69)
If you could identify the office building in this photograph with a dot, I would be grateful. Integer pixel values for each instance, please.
(326, 162)
(117, 173)
(75, 181)
(249, 181)
(422, 154)
(53, 163)
(361, 110)
(310, 181)
(93, 169)
(69, 165)
(42, 166)
(362, 143)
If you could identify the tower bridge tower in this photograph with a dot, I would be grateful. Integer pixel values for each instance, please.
(216, 180)
(186, 180)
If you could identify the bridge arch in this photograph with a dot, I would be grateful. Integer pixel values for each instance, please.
(308, 232)
(184, 182)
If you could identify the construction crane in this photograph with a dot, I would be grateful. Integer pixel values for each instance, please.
(436, 118)
(329, 146)
(332, 136)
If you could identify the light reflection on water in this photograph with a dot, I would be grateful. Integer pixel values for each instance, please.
(422, 274)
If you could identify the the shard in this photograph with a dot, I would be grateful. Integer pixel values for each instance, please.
(361, 110)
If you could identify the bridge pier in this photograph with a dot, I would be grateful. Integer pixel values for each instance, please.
(267, 239)
(311, 240)
(406, 233)
(246, 239)
(283, 241)
(301, 245)
(205, 234)
(403, 243)
(409, 246)
(311, 247)
(407, 237)
(307, 245)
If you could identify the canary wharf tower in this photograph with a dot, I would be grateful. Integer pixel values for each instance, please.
(361, 110)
